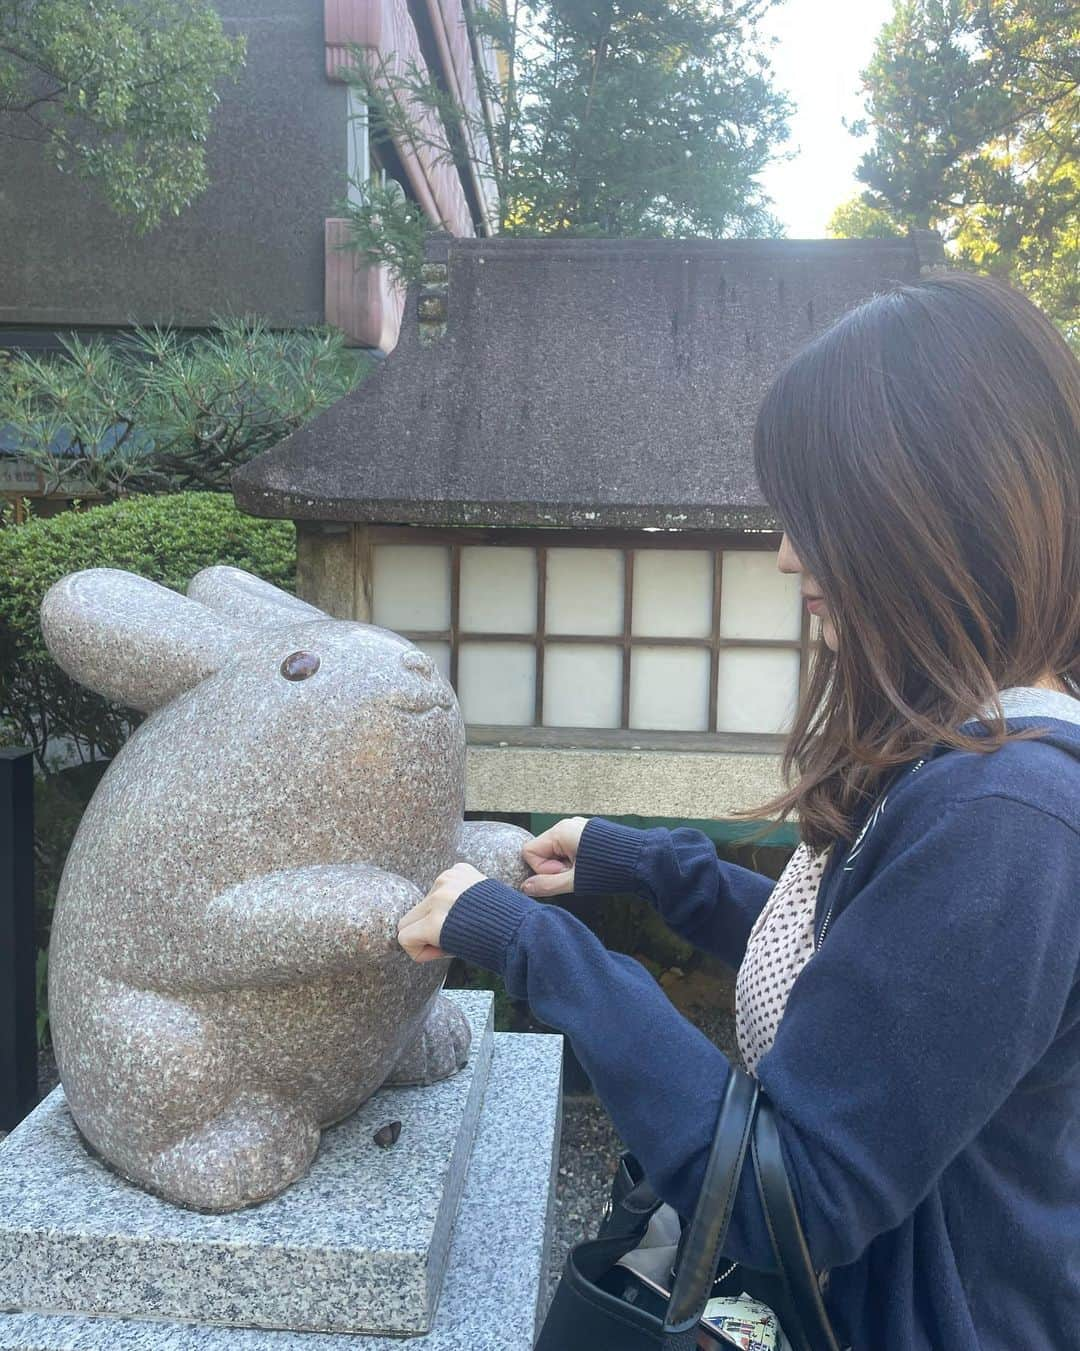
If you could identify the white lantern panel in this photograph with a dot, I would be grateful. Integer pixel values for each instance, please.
(584, 591)
(582, 685)
(498, 590)
(758, 689)
(673, 591)
(497, 683)
(756, 600)
(441, 654)
(669, 689)
(411, 587)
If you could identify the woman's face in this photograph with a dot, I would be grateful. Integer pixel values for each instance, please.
(790, 562)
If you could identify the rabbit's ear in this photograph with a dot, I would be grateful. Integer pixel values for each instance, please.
(131, 639)
(249, 600)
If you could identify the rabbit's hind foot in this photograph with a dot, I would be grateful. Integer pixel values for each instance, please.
(252, 1151)
(438, 1050)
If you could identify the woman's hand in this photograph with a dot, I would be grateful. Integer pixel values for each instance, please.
(420, 929)
(551, 857)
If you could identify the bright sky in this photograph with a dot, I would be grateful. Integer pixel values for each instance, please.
(822, 47)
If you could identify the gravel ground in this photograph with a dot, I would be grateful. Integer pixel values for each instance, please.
(587, 1157)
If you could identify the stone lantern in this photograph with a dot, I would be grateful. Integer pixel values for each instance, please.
(548, 486)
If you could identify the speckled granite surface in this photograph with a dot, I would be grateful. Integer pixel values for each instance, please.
(225, 979)
(495, 1275)
(359, 1243)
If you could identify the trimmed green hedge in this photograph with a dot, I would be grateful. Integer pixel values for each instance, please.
(167, 539)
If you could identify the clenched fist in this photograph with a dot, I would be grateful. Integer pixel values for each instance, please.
(551, 856)
(420, 929)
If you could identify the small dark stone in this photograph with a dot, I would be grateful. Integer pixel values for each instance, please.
(299, 665)
(387, 1135)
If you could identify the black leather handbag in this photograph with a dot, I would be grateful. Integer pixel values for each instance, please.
(588, 1313)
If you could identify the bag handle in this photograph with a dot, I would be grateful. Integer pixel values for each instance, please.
(712, 1215)
(747, 1123)
(813, 1331)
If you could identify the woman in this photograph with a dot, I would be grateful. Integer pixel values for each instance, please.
(909, 999)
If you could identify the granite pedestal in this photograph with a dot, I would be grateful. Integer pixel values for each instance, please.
(88, 1261)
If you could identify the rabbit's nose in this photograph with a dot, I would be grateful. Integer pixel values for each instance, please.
(419, 662)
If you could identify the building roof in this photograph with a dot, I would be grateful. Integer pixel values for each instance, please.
(575, 383)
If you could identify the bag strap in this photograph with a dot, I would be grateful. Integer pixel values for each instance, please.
(701, 1251)
(793, 1262)
(632, 1202)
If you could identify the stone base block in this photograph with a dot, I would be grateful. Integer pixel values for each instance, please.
(358, 1245)
(495, 1276)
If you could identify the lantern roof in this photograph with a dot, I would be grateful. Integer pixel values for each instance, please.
(576, 383)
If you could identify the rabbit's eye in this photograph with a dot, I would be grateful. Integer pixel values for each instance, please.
(299, 665)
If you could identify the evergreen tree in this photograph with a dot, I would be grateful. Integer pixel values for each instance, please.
(615, 118)
(975, 110)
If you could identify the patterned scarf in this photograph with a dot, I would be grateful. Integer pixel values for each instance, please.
(781, 943)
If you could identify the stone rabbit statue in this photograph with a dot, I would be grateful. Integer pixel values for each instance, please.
(224, 975)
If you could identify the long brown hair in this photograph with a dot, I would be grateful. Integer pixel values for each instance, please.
(923, 456)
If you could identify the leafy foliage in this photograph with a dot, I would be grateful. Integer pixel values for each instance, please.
(59, 803)
(975, 108)
(388, 228)
(167, 539)
(119, 92)
(617, 118)
(164, 412)
(856, 219)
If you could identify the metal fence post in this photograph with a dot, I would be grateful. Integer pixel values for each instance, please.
(18, 956)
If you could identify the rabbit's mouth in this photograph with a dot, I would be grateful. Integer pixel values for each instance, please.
(423, 701)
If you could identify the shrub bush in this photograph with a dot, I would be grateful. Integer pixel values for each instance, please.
(167, 539)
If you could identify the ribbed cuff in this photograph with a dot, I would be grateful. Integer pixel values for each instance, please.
(482, 923)
(607, 859)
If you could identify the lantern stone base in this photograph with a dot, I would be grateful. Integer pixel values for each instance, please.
(88, 1262)
(589, 781)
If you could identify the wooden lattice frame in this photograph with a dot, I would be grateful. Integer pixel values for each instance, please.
(628, 543)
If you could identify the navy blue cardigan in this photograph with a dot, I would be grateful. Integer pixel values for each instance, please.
(926, 1075)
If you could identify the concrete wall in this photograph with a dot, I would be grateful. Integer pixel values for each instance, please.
(683, 785)
(252, 243)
